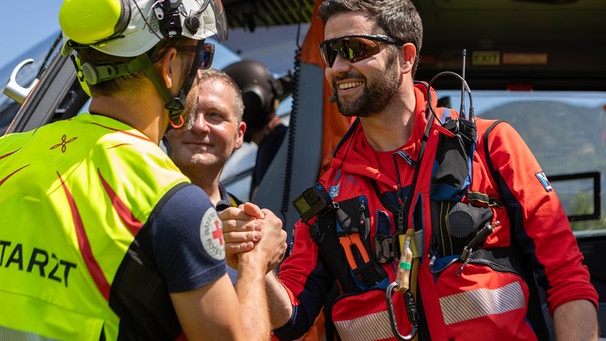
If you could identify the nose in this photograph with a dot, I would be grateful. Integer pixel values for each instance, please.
(200, 125)
(340, 64)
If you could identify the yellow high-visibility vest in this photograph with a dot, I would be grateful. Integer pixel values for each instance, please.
(73, 194)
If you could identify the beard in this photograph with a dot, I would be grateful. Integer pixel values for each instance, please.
(378, 91)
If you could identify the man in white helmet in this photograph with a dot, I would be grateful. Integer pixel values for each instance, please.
(102, 237)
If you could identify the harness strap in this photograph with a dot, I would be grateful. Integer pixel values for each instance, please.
(384, 241)
(484, 199)
(415, 237)
(495, 175)
(413, 283)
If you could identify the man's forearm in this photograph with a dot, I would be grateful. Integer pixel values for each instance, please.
(576, 320)
(280, 307)
(250, 288)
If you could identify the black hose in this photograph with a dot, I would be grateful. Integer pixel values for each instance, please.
(292, 126)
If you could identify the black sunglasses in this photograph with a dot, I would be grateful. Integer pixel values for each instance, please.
(207, 54)
(354, 48)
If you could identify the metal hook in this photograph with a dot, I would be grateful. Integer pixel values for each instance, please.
(411, 310)
(13, 89)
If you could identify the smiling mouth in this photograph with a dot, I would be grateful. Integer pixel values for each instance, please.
(198, 144)
(349, 85)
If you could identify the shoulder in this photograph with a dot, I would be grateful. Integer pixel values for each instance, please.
(497, 134)
(180, 212)
(227, 199)
(188, 241)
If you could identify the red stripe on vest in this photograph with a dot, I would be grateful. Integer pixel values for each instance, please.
(11, 174)
(9, 154)
(91, 263)
(132, 223)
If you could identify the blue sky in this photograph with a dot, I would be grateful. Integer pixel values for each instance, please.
(25, 23)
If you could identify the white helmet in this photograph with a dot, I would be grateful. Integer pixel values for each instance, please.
(128, 28)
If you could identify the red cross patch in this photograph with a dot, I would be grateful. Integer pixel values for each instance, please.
(211, 234)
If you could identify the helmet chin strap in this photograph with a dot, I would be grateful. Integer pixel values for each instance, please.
(175, 105)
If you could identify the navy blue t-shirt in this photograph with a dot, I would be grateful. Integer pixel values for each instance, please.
(180, 248)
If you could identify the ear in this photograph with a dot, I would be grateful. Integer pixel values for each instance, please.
(240, 135)
(167, 67)
(408, 54)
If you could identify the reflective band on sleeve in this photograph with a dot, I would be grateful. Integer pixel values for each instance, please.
(366, 328)
(482, 302)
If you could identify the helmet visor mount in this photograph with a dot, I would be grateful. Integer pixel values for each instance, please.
(214, 20)
(208, 20)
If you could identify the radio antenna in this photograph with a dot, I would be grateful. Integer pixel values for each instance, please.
(462, 110)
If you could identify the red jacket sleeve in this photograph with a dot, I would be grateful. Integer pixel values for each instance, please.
(544, 235)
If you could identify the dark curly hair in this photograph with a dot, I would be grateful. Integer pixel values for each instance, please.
(397, 18)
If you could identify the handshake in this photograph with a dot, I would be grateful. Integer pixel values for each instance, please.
(252, 236)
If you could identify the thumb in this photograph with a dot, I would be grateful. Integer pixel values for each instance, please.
(253, 210)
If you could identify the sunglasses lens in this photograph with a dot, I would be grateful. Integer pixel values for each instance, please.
(207, 54)
(327, 53)
(361, 48)
(354, 49)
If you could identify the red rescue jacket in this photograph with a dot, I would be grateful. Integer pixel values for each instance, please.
(489, 298)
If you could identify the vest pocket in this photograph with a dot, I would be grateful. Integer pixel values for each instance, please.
(484, 304)
(364, 316)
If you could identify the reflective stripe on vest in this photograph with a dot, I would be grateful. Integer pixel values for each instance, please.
(15, 335)
(359, 329)
(482, 302)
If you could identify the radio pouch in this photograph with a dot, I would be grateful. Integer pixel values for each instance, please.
(456, 224)
(452, 176)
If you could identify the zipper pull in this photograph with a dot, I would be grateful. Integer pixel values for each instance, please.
(432, 260)
(400, 219)
(362, 216)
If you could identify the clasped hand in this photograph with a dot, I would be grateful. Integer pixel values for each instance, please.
(248, 228)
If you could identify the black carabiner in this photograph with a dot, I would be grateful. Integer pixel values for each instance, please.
(411, 310)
